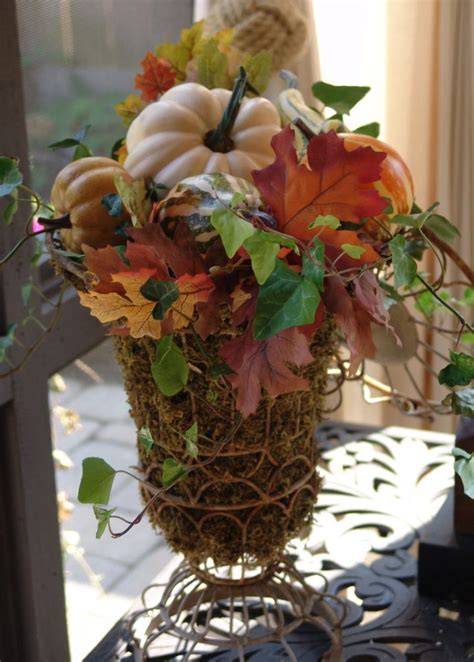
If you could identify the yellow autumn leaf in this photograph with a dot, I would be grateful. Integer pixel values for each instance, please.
(137, 310)
(134, 198)
(129, 108)
(239, 297)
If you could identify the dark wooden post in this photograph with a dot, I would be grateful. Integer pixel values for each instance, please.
(33, 623)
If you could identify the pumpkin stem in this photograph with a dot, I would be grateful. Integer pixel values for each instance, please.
(218, 139)
(55, 223)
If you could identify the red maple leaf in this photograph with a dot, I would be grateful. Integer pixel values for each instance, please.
(263, 365)
(354, 315)
(158, 76)
(180, 253)
(370, 296)
(103, 262)
(335, 182)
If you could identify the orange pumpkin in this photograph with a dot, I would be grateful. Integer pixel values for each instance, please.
(396, 182)
(78, 191)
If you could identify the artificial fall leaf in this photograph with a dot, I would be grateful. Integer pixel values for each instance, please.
(210, 311)
(134, 198)
(352, 319)
(335, 239)
(121, 154)
(158, 76)
(103, 262)
(137, 310)
(264, 365)
(370, 296)
(129, 108)
(239, 297)
(192, 290)
(180, 54)
(335, 182)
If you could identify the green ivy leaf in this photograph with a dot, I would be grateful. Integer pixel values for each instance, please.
(191, 437)
(10, 176)
(26, 290)
(12, 208)
(259, 69)
(467, 297)
(169, 369)
(37, 253)
(464, 467)
(212, 66)
(102, 516)
(416, 248)
(341, 98)
(81, 152)
(442, 228)
(459, 372)
(73, 141)
(165, 292)
(426, 303)
(372, 129)
(263, 254)
(329, 221)
(286, 299)
(113, 203)
(80, 257)
(415, 220)
(7, 341)
(237, 198)
(404, 265)
(96, 482)
(462, 402)
(218, 370)
(353, 251)
(468, 337)
(145, 439)
(172, 471)
(313, 266)
(232, 230)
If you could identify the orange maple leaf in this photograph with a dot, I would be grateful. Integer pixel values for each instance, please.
(335, 182)
(137, 310)
(158, 76)
(192, 290)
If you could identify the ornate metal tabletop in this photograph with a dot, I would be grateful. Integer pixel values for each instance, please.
(381, 488)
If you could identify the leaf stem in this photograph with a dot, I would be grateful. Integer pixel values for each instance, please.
(455, 257)
(455, 312)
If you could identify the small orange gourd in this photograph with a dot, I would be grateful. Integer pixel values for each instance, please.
(78, 191)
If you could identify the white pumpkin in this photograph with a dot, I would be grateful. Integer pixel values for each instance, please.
(167, 140)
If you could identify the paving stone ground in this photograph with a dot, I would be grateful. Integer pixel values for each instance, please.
(102, 577)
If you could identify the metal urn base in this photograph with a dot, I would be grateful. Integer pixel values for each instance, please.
(200, 612)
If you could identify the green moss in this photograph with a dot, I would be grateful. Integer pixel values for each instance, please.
(260, 491)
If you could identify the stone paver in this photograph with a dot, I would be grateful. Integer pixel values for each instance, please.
(68, 442)
(126, 565)
(103, 402)
(119, 433)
